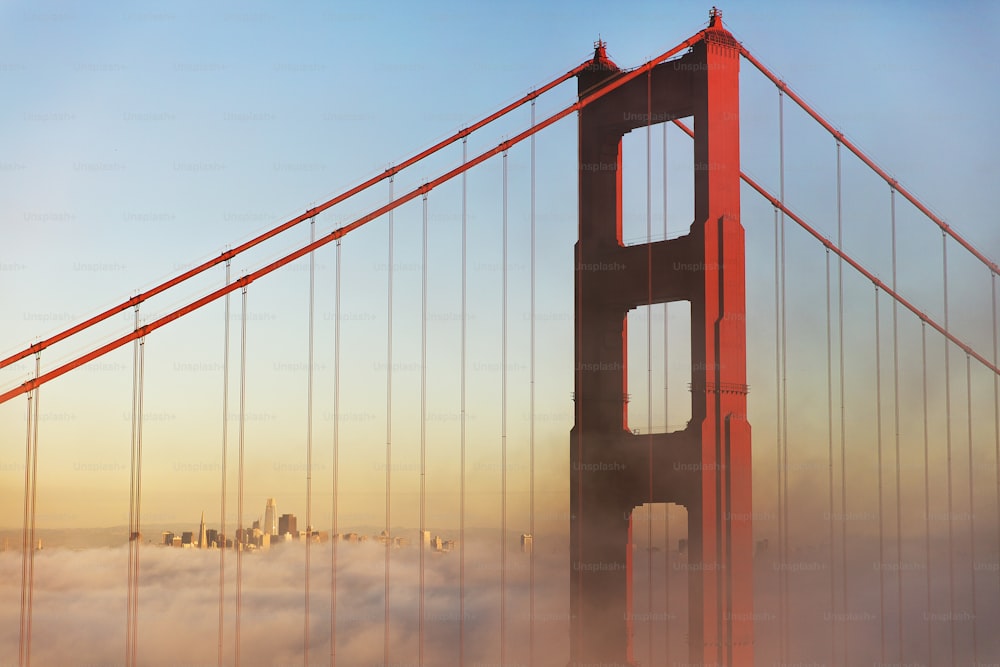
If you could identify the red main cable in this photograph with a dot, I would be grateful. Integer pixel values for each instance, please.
(311, 213)
(332, 236)
(840, 253)
(782, 86)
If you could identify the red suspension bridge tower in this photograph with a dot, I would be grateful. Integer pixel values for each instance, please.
(706, 467)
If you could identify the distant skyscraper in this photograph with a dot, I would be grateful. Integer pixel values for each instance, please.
(288, 524)
(270, 518)
(202, 538)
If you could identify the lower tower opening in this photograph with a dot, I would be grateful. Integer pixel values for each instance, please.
(658, 590)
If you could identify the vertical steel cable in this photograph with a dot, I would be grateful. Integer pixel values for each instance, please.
(829, 432)
(461, 493)
(138, 505)
(927, 492)
(388, 436)
(503, 432)
(666, 428)
(895, 417)
(423, 426)
(309, 440)
(531, 420)
(222, 500)
(25, 533)
(972, 513)
(881, 522)
(335, 537)
(843, 435)
(238, 542)
(947, 402)
(32, 513)
(784, 385)
(649, 358)
(777, 429)
(34, 509)
(996, 404)
(240, 536)
(130, 613)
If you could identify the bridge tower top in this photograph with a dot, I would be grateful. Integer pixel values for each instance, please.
(715, 18)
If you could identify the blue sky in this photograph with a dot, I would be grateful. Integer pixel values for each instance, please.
(140, 139)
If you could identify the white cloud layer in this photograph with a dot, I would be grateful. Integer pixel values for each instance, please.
(80, 612)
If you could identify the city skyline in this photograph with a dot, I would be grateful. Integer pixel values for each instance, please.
(285, 524)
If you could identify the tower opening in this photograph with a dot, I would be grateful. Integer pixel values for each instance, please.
(657, 184)
(658, 589)
(659, 366)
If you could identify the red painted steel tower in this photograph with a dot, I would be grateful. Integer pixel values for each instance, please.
(706, 467)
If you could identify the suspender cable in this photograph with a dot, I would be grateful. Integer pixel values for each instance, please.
(388, 436)
(423, 426)
(34, 513)
(28, 527)
(881, 513)
(309, 440)
(131, 494)
(666, 422)
(335, 531)
(783, 514)
(138, 502)
(843, 434)
(137, 535)
(503, 431)
(133, 537)
(25, 534)
(895, 417)
(947, 402)
(222, 498)
(972, 512)
(829, 445)
(927, 492)
(996, 404)
(461, 492)
(240, 530)
(777, 398)
(531, 421)
(649, 359)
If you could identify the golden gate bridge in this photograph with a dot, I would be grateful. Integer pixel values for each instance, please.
(902, 564)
